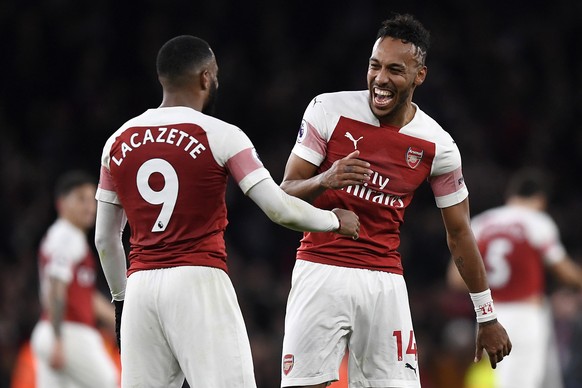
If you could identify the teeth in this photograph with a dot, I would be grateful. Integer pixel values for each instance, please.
(381, 92)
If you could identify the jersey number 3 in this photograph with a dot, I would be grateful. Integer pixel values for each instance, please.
(166, 196)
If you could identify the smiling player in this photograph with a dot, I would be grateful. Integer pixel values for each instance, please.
(351, 294)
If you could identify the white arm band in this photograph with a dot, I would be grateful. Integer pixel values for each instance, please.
(109, 227)
(483, 304)
(291, 212)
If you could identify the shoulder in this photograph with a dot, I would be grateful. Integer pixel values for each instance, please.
(342, 97)
(63, 238)
(541, 220)
(352, 104)
(427, 128)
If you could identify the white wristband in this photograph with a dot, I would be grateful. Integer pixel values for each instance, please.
(483, 306)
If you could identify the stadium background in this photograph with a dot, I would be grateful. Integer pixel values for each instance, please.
(504, 79)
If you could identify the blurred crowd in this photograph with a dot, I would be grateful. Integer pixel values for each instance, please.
(504, 80)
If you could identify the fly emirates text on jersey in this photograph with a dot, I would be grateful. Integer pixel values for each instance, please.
(366, 192)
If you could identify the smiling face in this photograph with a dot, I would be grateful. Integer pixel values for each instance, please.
(394, 70)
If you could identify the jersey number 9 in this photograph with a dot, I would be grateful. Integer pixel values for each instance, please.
(166, 196)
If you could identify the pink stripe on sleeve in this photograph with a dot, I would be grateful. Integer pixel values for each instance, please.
(243, 163)
(448, 183)
(105, 181)
(313, 140)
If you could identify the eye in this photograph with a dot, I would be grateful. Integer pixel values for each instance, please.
(397, 70)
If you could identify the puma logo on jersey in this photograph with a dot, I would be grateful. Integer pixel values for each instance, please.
(349, 136)
(407, 365)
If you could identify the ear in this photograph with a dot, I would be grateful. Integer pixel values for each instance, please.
(420, 76)
(205, 80)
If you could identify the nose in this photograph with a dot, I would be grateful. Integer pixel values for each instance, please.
(383, 77)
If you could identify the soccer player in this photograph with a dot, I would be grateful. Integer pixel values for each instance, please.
(368, 151)
(166, 171)
(519, 241)
(69, 349)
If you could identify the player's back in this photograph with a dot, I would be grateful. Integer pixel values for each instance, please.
(168, 167)
(514, 242)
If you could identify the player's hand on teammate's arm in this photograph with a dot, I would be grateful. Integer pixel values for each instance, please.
(57, 359)
(349, 223)
(345, 172)
(492, 337)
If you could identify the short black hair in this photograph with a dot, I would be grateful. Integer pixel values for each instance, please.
(71, 180)
(528, 183)
(182, 54)
(408, 29)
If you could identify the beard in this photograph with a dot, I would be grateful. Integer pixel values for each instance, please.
(210, 104)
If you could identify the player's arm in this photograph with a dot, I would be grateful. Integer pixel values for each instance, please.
(109, 225)
(301, 179)
(567, 272)
(463, 247)
(491, 335)
(57, 302)
(299, 215)
(454, 278)
(104, 311)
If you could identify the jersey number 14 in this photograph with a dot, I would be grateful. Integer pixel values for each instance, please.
(410, 349)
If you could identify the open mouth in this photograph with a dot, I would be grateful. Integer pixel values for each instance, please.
(382, 97)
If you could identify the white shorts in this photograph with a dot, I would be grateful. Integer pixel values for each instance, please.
(184, 321)
(332, 307)
(529, 328)
(87, 363)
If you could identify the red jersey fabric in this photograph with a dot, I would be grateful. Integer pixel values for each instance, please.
(168, 168)
(65, 254)
(336, 124)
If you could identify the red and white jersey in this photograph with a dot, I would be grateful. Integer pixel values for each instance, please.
(64, 254)
(516, 243)
(336, 124)
(168, 169)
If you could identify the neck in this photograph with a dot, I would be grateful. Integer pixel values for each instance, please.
(75, 223)
(401, 116)
(535, 202)
(189, 100)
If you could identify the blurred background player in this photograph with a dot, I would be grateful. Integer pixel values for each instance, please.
(369, 151)
(167, 170)
(69, 350)
(519, 241)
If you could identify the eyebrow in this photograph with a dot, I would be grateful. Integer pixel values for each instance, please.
(392, 65)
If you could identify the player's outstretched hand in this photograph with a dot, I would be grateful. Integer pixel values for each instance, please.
(118, 311)
(347, 171)
(492, 338)
(349, 223)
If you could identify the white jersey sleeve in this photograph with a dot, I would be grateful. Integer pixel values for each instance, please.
(105, 181)
(64, 246)
(545, 236)
(446, 179)
(233, 149)
(446, 176)
(291, 212)
(314, 133)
